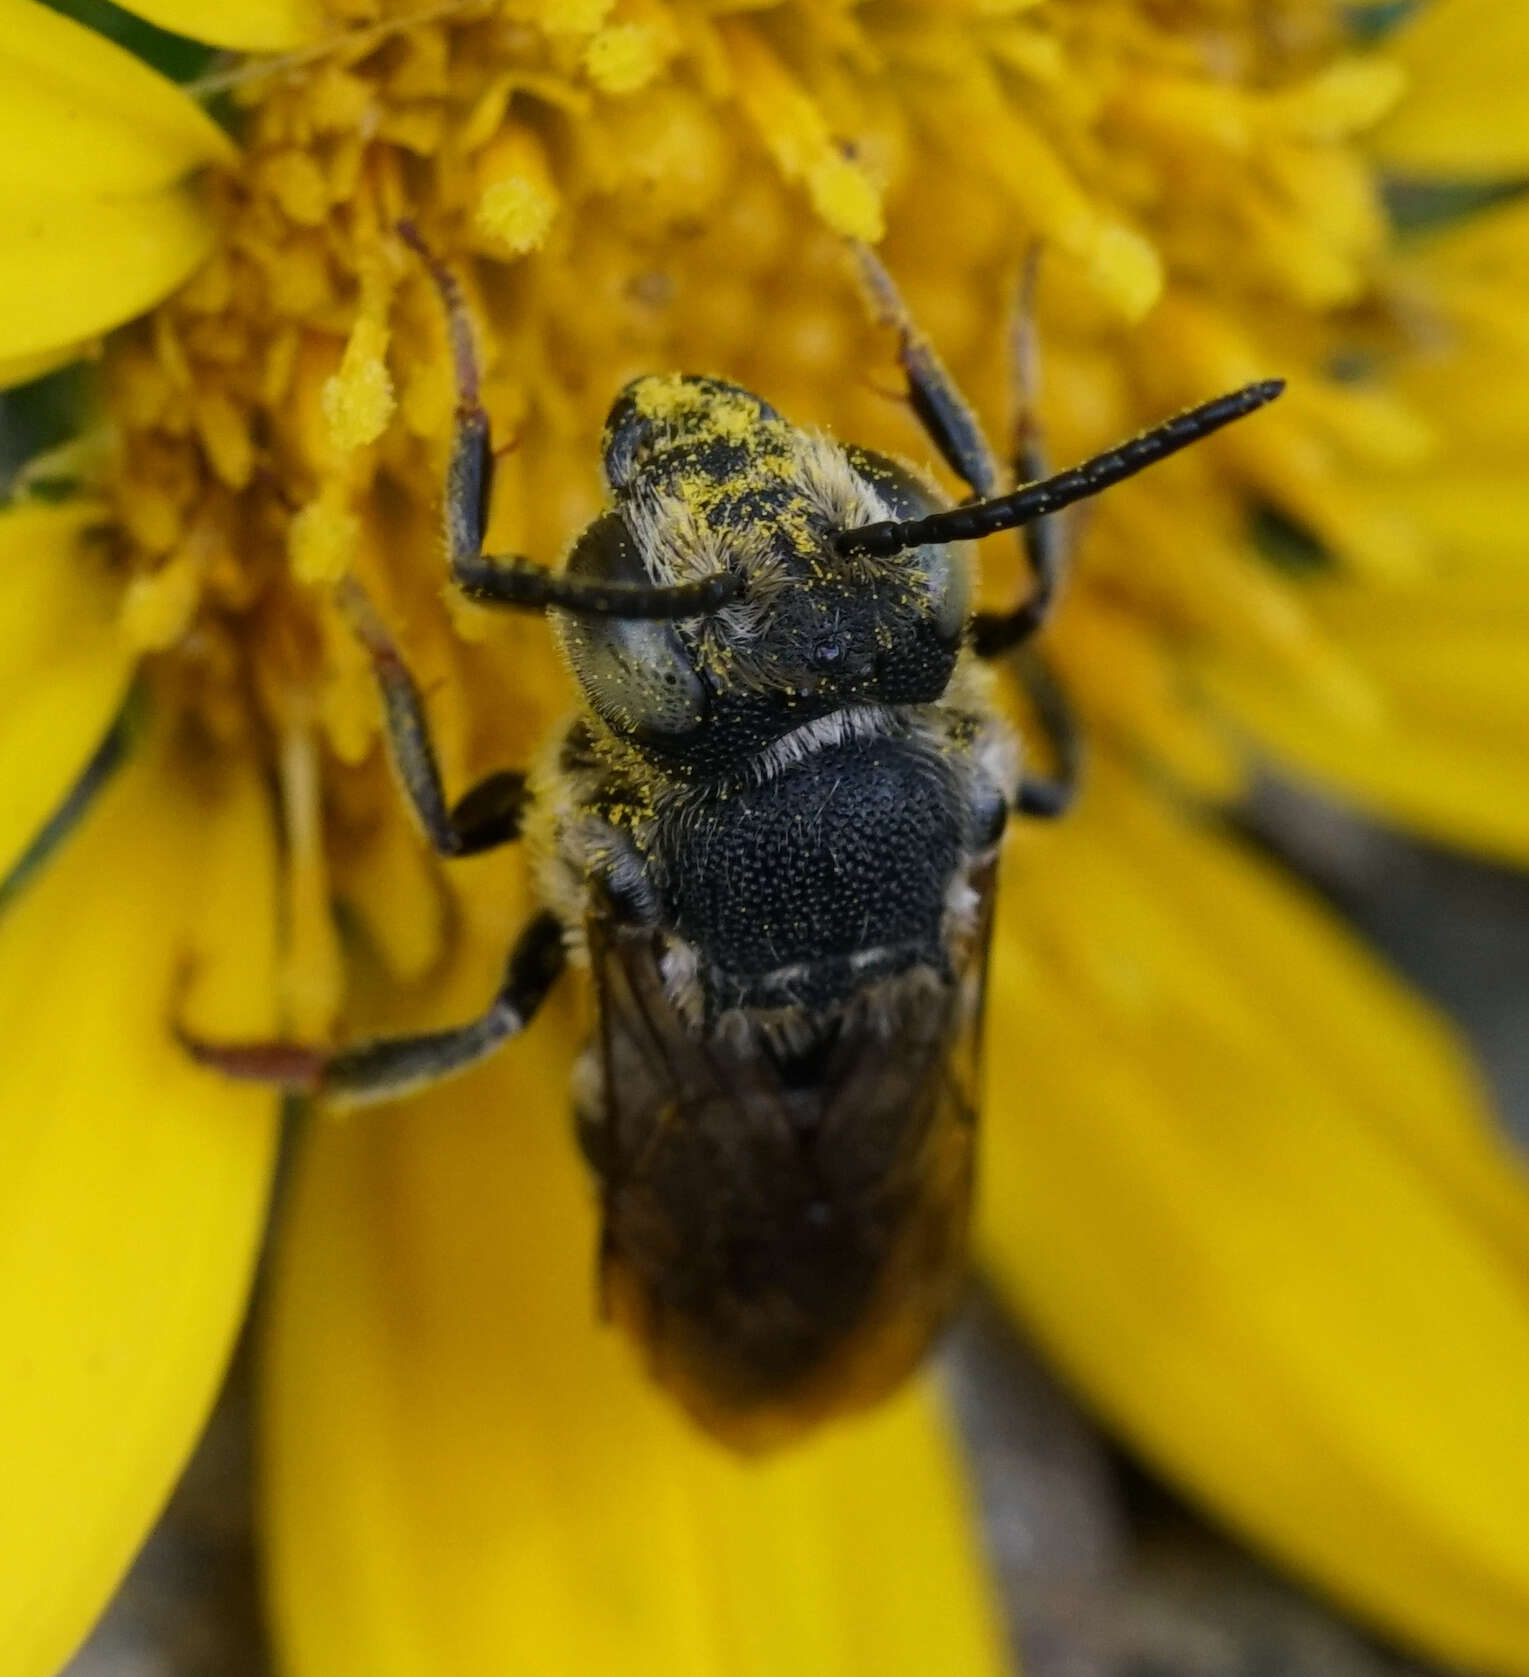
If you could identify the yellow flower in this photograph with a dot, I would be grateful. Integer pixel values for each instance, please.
(1238, 1182)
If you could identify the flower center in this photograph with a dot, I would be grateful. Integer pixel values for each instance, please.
(636, 190)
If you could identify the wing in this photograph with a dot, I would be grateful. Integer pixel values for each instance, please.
(785, 1231)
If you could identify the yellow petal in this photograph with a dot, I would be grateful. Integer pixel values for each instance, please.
(98, 225)
(64, 668)
(113, 125)
(799, 138)
(463, 1470)
(1465, 114)
(1452, 757)
(1450, 657)
(246, 25)
(22, 369)
(1244, 1189)
(133, 1185)
(79, 265)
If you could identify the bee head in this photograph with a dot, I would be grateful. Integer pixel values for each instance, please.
(707, 477)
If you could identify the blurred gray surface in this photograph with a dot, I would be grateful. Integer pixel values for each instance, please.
(1103, 1572)
(189, 1607)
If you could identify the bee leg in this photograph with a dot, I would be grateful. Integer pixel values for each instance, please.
(509, 580)
(953, 427)
(1048, 796)
(392, 1067)
(1041, 541)
(484, 817)
(945, 414)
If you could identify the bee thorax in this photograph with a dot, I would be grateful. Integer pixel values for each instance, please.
(831, 873)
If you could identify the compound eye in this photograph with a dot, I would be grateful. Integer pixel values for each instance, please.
(637, 675)
(945, 569)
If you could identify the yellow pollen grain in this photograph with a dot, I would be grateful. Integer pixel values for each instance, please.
(322, 539)
(734, 421)
(800, 139)
(517, 199)
(517, 214)
(845, 199)
(358, 400)
(625, 57)
(665, 396)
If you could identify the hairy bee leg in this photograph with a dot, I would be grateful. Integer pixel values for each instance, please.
(487, 815)
(392, 1067)
(510, 580)
(953, 427)
(948, 419)
(1041, 542)
(1048, 796)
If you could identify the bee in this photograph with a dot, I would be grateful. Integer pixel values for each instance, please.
(771, 835)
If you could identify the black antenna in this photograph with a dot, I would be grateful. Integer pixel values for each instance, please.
(1036, 500)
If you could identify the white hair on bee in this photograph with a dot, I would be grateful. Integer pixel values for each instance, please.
(823, 733)
(838, 494)
(588, 1081)
(962, 903)
(996, 751)
(903, 1005)
(784, 1030)
(681, 969)
(845, 500)
(679, 546)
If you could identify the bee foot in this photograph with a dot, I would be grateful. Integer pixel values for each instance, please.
(293, 1066)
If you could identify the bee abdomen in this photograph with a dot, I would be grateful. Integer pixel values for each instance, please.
(776, 1272)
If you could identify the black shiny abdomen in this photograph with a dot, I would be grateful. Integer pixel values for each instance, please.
(833, 873)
